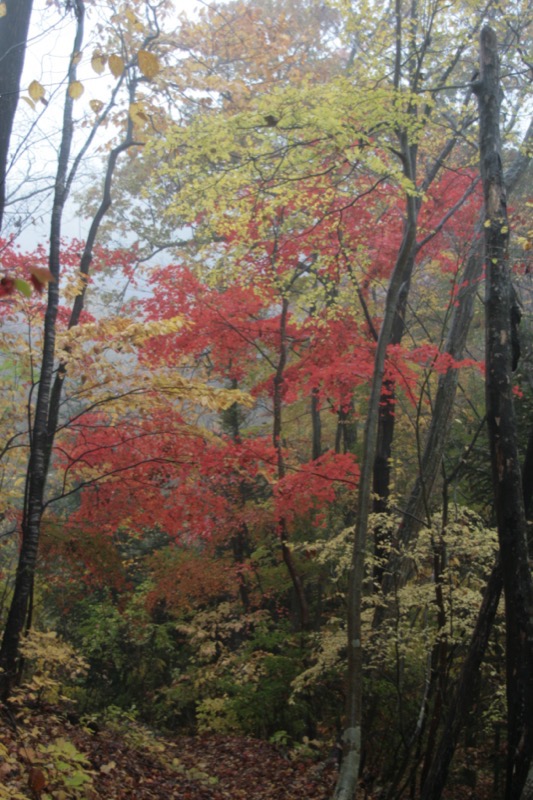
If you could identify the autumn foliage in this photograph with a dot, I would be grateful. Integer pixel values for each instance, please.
(187, 399)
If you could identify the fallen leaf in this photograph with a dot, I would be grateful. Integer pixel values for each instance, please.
(36, 780)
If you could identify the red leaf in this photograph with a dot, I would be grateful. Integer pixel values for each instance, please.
(7, 286)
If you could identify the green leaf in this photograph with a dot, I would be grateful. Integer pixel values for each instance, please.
(23, 287)
(76, 779)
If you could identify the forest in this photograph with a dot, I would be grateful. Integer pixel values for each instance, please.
(266, 400)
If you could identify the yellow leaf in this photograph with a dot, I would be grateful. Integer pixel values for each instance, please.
(98, 62)
(96, 106)
(487, 223)
(29, 102)
(3, 10)
(148, 63)
(36, 90)
(76, 90)
(136, 113)
(116, 65)
(76, 58)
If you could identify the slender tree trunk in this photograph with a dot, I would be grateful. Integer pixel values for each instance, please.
(85, 266)
(507, 483)
(316, 448)
(14, 27)
(276, 439)
(346, 433)
(387, 414)
(352, 737)
(240, 540)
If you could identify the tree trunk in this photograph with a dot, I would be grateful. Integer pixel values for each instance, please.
(506, 476)
(316, 423)
(352, 737)
(286, 551)
(13, 40)
(346, 433)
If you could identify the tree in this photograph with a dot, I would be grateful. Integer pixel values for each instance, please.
(14, 25)
(506, 475)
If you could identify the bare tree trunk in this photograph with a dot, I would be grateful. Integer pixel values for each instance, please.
(14, 27)
(506, 476)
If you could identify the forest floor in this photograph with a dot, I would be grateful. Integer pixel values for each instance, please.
(43, 756)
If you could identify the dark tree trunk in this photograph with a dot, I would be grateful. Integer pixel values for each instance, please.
(286, 552)
(527, 474)
(240, 541)
(387, 417)
(506, 476)
(13, 40)
(346, 433)
(316, 449)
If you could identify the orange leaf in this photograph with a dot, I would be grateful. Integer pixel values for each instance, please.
(40, 276)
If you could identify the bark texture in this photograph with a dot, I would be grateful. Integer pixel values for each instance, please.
(506, 475)
(13, 38)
